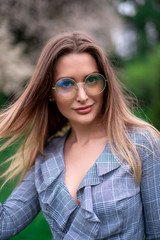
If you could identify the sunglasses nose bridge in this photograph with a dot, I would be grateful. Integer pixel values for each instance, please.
(81, 92)
(81, 83)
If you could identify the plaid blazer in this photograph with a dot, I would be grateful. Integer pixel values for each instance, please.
(111, 205)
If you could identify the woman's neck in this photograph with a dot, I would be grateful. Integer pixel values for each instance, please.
(82, 134)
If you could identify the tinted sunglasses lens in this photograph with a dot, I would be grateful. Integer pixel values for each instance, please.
(66, 88)
(95, 84)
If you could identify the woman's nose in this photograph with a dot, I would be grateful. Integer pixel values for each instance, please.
(81, 92)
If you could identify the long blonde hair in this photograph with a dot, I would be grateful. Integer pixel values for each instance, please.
(34, 118)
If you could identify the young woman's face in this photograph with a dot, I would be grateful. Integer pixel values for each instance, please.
(82, 108)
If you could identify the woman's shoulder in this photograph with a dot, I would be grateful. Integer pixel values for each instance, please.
(55, 142)
(144, 134)
(145, 138)
(52, 147)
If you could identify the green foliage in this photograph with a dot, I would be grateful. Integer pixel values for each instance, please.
(145, 22)
(142, 78)
(3, 99)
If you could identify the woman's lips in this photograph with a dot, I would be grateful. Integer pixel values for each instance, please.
(84, 110)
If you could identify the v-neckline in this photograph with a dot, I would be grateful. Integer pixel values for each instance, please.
(89, 170)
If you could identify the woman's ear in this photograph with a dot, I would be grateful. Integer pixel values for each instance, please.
(51, 96)
(51, 99)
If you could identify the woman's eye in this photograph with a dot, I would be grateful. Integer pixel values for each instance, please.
(66, 83)
(92, 80)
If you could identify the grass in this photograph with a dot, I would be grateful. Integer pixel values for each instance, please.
(38, 229)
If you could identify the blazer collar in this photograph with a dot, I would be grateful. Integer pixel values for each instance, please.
(105, 163)
(53, 166)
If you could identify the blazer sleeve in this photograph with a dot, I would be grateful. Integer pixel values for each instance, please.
(150, 189)
(20, 208)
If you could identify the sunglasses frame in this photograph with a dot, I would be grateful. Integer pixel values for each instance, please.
(76, 85)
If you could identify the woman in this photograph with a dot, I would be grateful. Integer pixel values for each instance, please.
(100, 180)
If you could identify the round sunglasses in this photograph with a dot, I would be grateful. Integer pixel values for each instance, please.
(66, 88)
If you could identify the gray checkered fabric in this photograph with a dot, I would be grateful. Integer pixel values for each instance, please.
(111, 205)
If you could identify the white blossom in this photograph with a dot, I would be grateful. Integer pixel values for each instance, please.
(36, 21)
(15, 68)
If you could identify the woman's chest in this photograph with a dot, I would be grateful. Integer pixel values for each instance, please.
(112, 197)
(77, 163)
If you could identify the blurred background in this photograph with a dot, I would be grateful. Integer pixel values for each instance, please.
(128, 31)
